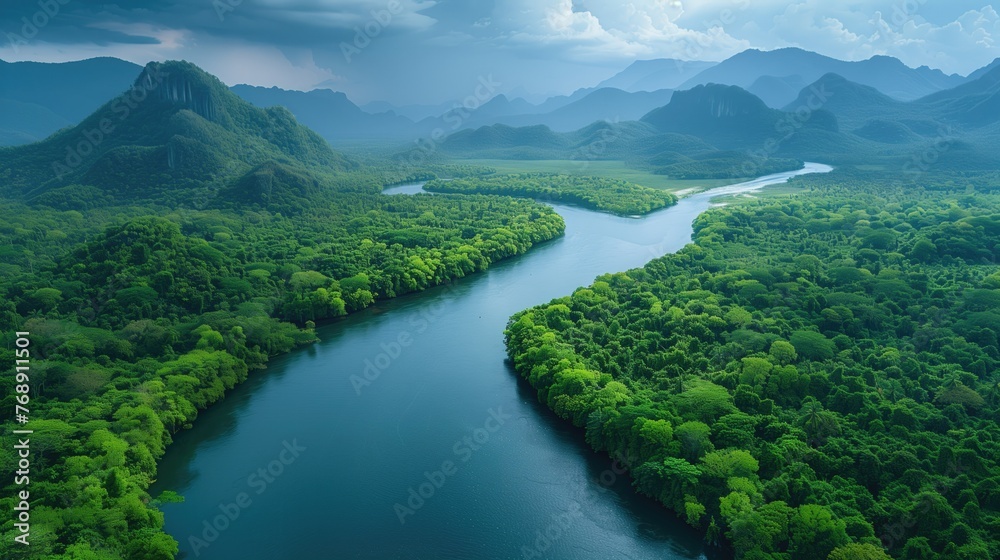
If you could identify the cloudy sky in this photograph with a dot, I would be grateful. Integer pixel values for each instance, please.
(428, 51)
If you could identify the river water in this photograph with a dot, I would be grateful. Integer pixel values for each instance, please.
(313, 459)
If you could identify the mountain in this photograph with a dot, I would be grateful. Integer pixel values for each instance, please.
(501, 106)
(734, 120)
(413, 112)
(886, 74)
(178, 132)
(983, 71)
(331, 114)
(887, 132)
(974, 104)
(23, 123)
(775, 91)
(606, 104)
(531, 142)
(40, 98)
(853, 103)
(656, 74)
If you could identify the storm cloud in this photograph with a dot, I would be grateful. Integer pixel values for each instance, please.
(427, 51)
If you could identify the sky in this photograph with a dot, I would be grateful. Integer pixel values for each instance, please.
(432, 51)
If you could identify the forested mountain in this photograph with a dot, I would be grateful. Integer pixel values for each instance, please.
(178, 132)
(729, 117)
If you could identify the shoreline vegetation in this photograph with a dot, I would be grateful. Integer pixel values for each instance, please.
(615, 196)
(813, 377)
(141, 317)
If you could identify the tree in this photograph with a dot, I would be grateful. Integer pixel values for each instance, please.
(695, 438)
(46, 299)
(858, 551)
(815, 533)
(730, 463)
(812, 345)
(783, 352)
(818, 423)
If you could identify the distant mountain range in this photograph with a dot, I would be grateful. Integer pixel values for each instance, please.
(657, 74)
(37, 99)
(734, 106)
(331, 114)
(886, 74)
(715, 126)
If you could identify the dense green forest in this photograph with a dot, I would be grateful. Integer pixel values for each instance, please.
(598, 193)
(720, 165)
(814, 377)
(140, 316)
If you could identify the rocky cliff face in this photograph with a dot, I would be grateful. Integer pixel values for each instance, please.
(715, 101)
(178, 85)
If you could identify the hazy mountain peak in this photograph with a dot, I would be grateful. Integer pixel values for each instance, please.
(887, 74)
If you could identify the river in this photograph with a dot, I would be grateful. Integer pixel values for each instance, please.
(312, 459)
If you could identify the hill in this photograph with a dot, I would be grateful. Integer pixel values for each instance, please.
(178, 130)
(530, 142)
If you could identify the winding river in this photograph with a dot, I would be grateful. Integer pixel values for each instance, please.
(440, 452)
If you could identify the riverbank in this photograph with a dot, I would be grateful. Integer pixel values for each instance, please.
(365, 451)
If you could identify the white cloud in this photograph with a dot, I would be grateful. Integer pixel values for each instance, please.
(603, 30)
(915, 31)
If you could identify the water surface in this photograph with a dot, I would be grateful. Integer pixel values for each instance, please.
(344, 449)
